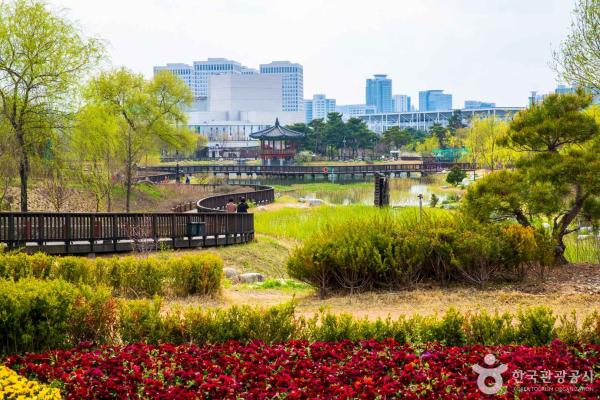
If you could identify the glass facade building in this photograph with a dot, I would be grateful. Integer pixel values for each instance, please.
(434, 100)
(379, 93)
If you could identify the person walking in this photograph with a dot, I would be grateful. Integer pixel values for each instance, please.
(242, 206)
(231, 207)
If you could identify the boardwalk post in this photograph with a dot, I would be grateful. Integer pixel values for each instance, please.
(92, 232)
(11, 230)
(40, 235)
(67, 232)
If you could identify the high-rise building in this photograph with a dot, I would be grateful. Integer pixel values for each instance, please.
(354, 110)
(319, 107)
(213, 66)
(238, 94)
(434, 100)
(401, 103)
(476, 105)
(308, 111)
(379, 93)
(292, 81)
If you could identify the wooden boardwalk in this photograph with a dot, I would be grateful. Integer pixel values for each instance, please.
(84, 233)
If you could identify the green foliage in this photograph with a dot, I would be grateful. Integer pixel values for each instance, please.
(578, 59)
(148, 114)
(385, 252)
(434, 200)
(536, 326)
(557, 180)
(128, 276)
(39, 315)
(456, 176)
(43, 56)
(396, 137)
(327, 137)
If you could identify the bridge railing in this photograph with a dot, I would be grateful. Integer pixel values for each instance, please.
(22, 229)
(302, 169)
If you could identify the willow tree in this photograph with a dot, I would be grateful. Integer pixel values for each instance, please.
(43, 56)
(483, 139)
(578, 60)
(94, 146)
(148, 114)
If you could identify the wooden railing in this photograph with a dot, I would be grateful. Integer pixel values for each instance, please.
(258, 195)
(68, 233)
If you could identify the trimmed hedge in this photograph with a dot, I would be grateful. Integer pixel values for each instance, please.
(386, 252)
(37, 315)
(128, 276)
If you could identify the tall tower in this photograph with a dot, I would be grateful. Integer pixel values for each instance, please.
(292, 80)
(379, 93)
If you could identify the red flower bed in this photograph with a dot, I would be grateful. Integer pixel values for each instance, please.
(298, 370)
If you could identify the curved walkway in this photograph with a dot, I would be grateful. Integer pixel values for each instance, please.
(84, 233)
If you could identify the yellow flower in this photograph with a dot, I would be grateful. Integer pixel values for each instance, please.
(14, 386)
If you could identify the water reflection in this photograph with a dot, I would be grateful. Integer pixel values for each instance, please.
(403, 191)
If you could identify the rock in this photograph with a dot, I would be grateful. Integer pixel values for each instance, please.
(250, 277)
(315, 202)
(230, 273)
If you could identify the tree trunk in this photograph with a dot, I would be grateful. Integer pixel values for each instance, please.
(128, 178)
(23, 171)
(561, 227)
(559, 251)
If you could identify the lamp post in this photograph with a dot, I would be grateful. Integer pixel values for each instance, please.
(344, 149)
(420, 196)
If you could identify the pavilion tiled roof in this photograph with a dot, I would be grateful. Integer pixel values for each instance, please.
(277, 132)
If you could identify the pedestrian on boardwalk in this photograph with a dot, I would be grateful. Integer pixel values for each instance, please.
(231, 207)
(243, 206)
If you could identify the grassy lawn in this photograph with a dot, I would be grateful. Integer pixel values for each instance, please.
(424, 301)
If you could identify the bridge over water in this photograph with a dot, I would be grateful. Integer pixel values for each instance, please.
(170, 172)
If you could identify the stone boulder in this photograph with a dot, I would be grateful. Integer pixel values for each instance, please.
(250, 277)
(230, 273)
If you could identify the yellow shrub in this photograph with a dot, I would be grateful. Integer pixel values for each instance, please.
(14, 386)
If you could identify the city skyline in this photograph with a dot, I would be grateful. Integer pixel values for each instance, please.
(494, 56)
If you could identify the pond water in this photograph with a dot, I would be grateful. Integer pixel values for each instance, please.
(403, 191)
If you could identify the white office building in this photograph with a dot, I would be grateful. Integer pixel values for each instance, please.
(292, 83)
(355, 110)
(401, 103)
(213, 66)
(318, 108)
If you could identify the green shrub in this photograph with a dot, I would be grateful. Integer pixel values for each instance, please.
(37, 315)
(535, 326)
(127, 276)
(385, 252)
(140, 321)
(196, 275)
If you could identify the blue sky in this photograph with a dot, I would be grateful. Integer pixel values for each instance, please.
(492, 50)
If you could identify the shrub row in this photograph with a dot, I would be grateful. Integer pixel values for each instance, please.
(38, 315)
(386, 252)
(127, 276)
